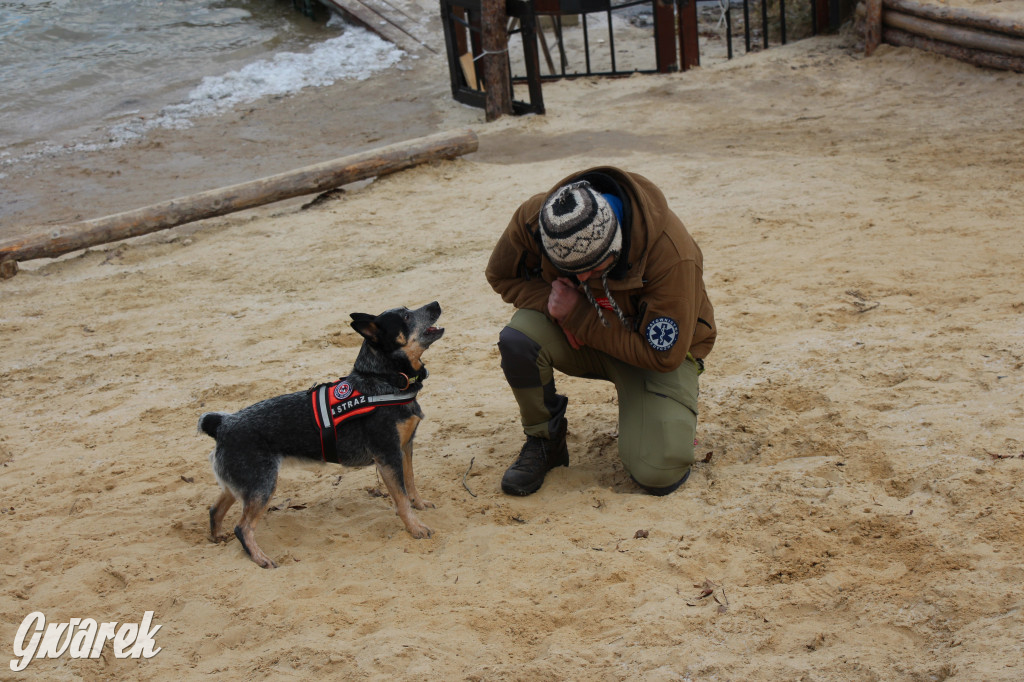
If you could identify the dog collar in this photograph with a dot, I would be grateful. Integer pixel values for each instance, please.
(409, 380)
(404, 382)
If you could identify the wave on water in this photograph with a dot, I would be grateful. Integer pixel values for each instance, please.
(355, 55)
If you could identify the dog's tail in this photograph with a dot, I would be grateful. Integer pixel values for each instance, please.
(209, 422)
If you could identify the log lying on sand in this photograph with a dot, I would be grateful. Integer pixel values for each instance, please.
(64, 239)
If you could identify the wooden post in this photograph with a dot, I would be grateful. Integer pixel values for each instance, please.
(872, 26)
(8, 268)
(498, 100)
(665, 36)
(61, 239)
(689, 47)
(822, 23)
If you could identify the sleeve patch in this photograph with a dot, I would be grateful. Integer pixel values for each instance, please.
(662, 333)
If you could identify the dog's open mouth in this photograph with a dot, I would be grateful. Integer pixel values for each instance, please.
(435, 330)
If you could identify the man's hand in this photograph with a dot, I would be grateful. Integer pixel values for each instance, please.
(561, 301)
(571, 338)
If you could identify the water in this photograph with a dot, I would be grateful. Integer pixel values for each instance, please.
(78, 75)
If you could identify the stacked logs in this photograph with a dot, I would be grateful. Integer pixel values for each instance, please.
(954, 32)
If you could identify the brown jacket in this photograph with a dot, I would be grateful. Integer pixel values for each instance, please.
(662, 277)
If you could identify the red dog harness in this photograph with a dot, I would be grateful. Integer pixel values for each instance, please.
(338, 402)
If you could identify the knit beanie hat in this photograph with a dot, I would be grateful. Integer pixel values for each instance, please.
(578, 228)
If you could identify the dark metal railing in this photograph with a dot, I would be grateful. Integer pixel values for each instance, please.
(774, 22)
(558, 14)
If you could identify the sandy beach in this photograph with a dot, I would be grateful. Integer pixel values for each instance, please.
(857, 513)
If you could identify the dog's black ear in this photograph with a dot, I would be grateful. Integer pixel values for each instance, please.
(363, 324)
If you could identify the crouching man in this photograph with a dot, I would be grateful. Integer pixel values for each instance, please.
(607, 284)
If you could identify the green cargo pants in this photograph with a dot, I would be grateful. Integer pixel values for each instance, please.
(657, 410)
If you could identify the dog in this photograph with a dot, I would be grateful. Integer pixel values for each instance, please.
(370, 416)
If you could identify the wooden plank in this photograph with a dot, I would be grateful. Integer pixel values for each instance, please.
(56, 241)
(469, 71)
(382, 20)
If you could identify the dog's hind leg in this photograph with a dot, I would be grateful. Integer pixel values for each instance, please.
(245, 531)
(403, 507)
(217, 512)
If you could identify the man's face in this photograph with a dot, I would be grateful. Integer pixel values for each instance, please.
(596, 272)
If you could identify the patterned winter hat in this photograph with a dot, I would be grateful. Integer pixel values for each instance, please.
(578, 228)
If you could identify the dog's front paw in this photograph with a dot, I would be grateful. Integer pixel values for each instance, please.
(420, 503)
(418, 530)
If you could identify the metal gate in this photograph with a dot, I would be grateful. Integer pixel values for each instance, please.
(678, 32)
(608, 38)
(576, 28)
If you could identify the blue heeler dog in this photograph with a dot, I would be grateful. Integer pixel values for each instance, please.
(369, 416)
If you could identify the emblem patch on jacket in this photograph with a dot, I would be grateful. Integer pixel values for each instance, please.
(662, 333)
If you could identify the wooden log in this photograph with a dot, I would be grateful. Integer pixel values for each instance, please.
(894, 36)
(498, 87)
(872, 26)
(8, 268)
(955, 35)
(958, 16)
(63, 239)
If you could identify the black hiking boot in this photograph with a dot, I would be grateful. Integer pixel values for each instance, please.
(536, 459)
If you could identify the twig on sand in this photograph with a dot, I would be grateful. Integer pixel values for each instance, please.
(467, 474)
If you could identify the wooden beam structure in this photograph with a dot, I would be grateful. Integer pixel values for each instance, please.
(959, 16)
(391, 23)
(962, 36)
(961, 33)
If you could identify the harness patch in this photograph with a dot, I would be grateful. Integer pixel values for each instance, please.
(342, 390)
(337, 402)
